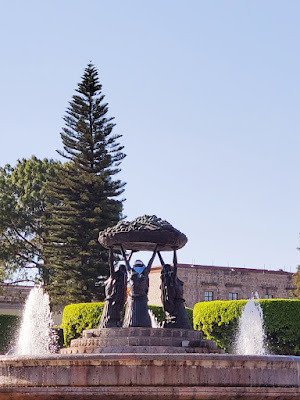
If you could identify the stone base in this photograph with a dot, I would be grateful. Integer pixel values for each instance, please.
(149, 393)
(141, 340)
(150, 377)
(148, 364)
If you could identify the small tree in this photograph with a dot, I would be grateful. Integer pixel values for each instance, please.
(23, 204)
(296, 280)
(85, 196)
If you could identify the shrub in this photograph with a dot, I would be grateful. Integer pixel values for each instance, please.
(282, 325)
(158, 313)
(8, 328)
(161, 316)
(190, 315)
(219, 321)
(78, 317)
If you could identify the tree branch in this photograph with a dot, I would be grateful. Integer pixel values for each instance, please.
(23, 238)
(15, 282)
(30, 260)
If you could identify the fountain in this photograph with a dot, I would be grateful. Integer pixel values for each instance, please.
(135, 362)
(154, 321)
(251, 338)
(36, 336)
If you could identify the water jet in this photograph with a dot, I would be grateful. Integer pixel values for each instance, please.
(251, 338)
(36, 336)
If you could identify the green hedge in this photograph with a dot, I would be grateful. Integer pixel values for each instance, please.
(160, 314)
(282, 321)
(219, 321)
(78, 317)
(8, 328)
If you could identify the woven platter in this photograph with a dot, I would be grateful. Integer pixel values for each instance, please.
(143, 234)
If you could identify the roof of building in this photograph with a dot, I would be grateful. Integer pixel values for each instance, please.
(233, 269)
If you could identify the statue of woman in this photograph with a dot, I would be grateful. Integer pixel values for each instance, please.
(115, 295)
(172, 296)
(136, 311)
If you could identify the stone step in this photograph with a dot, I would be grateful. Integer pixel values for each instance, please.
(187, 334)
(123, 349)
(134, 341)
(138, 350)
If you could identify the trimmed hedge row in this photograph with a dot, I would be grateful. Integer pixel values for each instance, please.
(219, 321)
(8, 327)
(78, 317)
(282, 321)
(161, 316)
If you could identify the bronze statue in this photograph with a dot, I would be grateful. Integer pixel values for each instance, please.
(172, 296)
(115, 295)
(143, 234)
(136, 311)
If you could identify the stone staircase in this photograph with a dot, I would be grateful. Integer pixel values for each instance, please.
(141, 340)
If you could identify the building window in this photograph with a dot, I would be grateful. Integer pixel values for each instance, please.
(233, 296)
(268, 296)
(208, 296)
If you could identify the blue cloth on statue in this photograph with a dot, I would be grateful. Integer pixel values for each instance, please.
(139, 270)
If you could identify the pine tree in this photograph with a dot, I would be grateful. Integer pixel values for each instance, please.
(85, 196)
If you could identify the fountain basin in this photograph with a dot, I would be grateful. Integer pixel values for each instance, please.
(149, 377)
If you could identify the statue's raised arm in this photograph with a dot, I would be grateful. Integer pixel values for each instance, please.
(175, 262)
(128, 267)
(149, 265)
(160, 259)
(111, 263)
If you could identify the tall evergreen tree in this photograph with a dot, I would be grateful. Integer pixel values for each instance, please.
(85, 196)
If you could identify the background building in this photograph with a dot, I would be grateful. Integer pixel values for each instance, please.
(201, 283)
(12, 298)
(12, 301)
(207, 283)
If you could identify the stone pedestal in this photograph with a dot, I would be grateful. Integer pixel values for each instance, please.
(141, 340)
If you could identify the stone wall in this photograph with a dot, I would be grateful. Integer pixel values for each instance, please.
(202, 283)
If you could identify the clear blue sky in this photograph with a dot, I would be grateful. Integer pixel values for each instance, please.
(206, 94)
